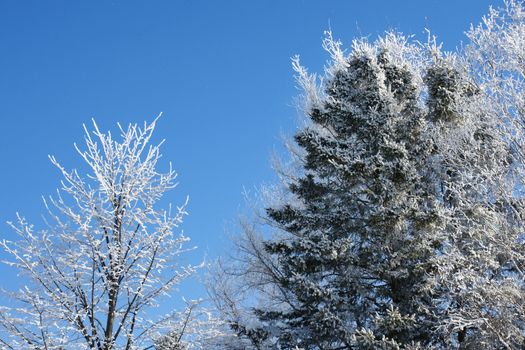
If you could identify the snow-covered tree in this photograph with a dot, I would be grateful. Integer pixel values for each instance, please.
(400, 223)
(476, 296)
(481, 269)
(349, 263)
(198, 327)
(106, 257)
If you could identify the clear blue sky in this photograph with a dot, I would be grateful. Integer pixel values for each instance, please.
(219, 70)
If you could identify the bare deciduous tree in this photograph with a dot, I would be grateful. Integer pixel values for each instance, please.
(107, 255)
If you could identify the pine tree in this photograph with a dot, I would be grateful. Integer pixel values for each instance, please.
(349, 269)
(357, 254)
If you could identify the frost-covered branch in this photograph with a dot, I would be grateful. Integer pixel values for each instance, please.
(107, 255)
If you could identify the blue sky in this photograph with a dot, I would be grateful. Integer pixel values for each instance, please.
(219, 71)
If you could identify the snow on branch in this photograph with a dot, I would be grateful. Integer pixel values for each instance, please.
(107, 255)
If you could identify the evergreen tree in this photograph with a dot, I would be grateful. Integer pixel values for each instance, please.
(355, 260)
(349, 268)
